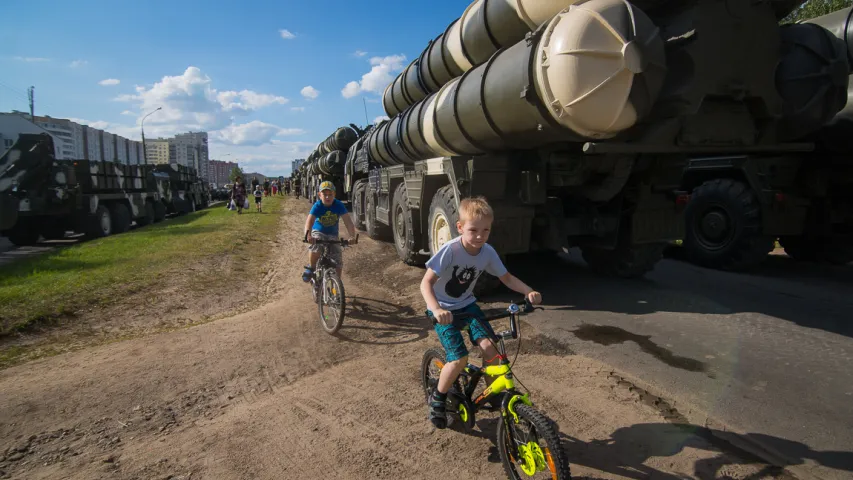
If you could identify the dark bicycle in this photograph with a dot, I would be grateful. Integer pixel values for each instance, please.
(327, 288)
(526, 438)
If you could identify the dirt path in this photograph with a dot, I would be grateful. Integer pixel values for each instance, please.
(267, 394)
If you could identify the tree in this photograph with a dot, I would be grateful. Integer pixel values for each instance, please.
(815, 8)
(235, 172)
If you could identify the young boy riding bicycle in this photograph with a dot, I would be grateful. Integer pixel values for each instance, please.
(447, 289)
(322, 224)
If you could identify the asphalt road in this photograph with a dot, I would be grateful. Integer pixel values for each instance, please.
(767, 354)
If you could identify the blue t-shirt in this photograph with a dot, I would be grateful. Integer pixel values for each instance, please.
(458, 272)
(327, 217)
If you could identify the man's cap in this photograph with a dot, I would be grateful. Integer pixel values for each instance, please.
(327, 185)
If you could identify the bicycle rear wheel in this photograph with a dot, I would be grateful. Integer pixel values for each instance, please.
(533, 450)
(332, 302)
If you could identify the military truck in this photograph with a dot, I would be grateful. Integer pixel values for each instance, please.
(579, 119)
(327, 162)
(742, 201)
(181, 189)
(42, 196)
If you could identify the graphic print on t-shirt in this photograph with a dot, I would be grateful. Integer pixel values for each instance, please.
(459, 282)
(328, 219)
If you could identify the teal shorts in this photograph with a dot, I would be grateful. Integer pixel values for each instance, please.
(450, 335)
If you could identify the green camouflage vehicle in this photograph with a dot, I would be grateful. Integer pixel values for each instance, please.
(42, 196)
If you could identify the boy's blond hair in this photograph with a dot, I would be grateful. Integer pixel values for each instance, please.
(475, 208)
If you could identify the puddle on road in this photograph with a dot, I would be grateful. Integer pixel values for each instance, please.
(609, 335)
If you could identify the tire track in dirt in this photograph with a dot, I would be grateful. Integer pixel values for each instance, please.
(267, 394)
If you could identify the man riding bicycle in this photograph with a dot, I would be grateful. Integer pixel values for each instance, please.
(322, 223)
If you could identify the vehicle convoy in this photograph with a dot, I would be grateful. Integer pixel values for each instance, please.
(590, 123)
(42, 196)
(743, 200)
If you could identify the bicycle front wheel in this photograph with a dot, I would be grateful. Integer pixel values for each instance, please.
(533, 449)
(332, 302)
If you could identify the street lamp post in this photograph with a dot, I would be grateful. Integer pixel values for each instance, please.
(142, 126)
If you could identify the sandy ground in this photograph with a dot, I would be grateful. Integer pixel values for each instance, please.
(267, 394)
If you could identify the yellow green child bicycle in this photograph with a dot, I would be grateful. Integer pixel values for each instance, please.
(527, 440)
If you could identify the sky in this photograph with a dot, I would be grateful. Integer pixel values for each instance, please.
(267, 80)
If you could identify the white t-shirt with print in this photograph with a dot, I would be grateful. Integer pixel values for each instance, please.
(458, 272)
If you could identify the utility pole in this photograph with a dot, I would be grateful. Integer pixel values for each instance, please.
(142, 126)
(31, 95)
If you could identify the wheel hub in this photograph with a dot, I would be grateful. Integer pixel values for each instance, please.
(400, 226)
(526, 460)
(440, 232)
(105, 222)
(715, 225)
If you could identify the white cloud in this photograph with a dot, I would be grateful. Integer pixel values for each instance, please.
(253, 133)
(359, 53)
(351, 89)
(297, 109)
(32, 59)
(379, 119)
(109, 82)
(189, 102)
(79, 63)
(285, 34)
(380, 75)
(310, 92)
(247, 100)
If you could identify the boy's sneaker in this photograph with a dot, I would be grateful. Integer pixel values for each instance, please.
(308, 274)
(437, 411)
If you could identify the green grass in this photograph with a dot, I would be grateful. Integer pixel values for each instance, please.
(57, 284)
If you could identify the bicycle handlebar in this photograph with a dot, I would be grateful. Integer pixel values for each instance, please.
(343, 242)
(513, 311)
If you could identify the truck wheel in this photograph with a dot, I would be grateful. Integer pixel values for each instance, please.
(358, 204)
(120, 217)
(442, 218)
(817, 249)
(723, 226)
(375, 230)
(100, 224)
(407, 232)
(23, 235)
(148, 217)
(159, 211)
(625, 261)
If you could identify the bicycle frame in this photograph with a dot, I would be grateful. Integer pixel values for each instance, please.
(325, 261)
(504, 383)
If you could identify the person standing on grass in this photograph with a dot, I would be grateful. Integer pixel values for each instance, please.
(238, 194)
(258, 197)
